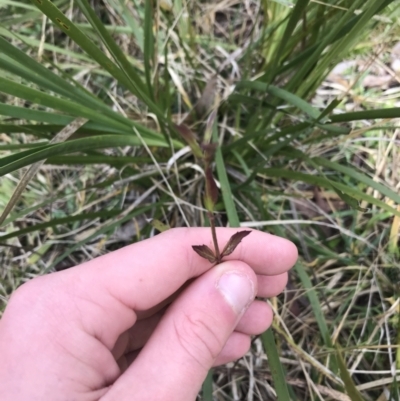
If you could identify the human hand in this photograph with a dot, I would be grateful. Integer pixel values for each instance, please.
(76, 334)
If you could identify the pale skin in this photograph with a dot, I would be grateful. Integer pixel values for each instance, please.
(145, 322)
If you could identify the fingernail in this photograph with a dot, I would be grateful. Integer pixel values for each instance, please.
(237, 289)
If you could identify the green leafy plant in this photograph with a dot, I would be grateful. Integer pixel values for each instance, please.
(147, 77)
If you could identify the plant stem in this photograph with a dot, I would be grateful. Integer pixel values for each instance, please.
(214, 236)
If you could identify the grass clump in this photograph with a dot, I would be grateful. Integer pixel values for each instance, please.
(301, 152)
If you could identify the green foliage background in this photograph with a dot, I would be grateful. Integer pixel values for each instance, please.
(134, 70)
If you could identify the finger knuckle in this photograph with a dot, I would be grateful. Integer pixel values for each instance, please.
(197, 334)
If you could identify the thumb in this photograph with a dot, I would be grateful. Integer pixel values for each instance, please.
(190, 336)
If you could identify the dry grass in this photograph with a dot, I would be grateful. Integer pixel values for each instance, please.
(350, 256)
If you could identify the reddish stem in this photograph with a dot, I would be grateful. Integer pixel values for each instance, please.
(214, 236)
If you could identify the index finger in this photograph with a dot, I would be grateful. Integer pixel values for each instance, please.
(144, 274)
(103, 296)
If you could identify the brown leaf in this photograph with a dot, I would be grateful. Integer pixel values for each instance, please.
(186, 133)
(233, 242)
(207, 98)
(205, 252)
(190, 138)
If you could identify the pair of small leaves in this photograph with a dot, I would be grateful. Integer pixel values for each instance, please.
(205, 252)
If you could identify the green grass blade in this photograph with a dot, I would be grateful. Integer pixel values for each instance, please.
(283, 95)
(207, 388)
(315, 304)
(148, 52)
(119, 57)
(70, 29)
(116, 161)
(16, 4)
(313, 58)
(370, 8)
(61, 196)
(393, 112)
(67, 106)
(299, 60)
(38, 130)
(349, 385)
(352, 172)
(19, 146)
(112, 47)
(233, 218)
(295, 17)
(23, 113)
(323, 182)
(4, 161)
(227, 195)
(62, 136)
(36, 43)
(77, 145)
(32, 71)
(60, 221)
(57, 121)
(317, 310)
(240, 143)
(275, 365)
(105, 229)
(132, 23)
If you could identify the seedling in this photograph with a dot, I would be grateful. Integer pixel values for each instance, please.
(205, 153)
(205, 252)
